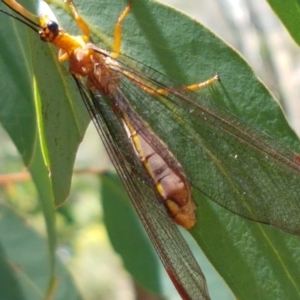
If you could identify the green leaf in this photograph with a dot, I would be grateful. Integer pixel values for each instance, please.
(25, 270)
(36, 130)
(48, 103)
(17, 92)
(289, 14)
(61, 112)
(255, 260)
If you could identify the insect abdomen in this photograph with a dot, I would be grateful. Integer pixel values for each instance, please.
(171, 184)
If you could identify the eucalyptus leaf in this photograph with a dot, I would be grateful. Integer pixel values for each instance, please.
(25, 268)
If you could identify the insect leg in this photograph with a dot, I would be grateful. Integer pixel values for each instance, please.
(153, 91)
(118, 31)
(192, 87)
(80, 22)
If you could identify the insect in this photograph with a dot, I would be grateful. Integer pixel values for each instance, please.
(162, 175)
(115, 118)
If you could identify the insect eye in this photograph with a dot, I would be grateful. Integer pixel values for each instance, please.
(53, 27)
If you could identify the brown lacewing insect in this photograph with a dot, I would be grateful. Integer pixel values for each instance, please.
(154, 178)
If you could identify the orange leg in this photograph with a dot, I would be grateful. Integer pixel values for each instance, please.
(192, 87)
(118, 30)
(80, 22)
(118, 27)
(152, 91)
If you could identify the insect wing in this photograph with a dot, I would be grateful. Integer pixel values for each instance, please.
(164, 234)
(233, 163)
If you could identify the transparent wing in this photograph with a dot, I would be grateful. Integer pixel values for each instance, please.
(164, 234)
(228, 160)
